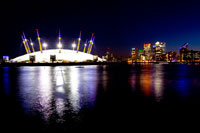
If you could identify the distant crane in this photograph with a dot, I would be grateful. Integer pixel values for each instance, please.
(38, 37)
(79, 40)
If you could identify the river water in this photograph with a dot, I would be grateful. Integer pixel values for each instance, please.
(89, 97)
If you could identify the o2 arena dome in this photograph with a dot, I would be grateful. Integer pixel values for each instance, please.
(57, 55)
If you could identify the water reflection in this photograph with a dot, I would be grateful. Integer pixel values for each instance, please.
(36, 90)
(149, 79)
(6, 80)
(59, 97)
(146, 79)
(52, 91)
(183, 84)
(75, 86)
(158, 82)
(105, 77)
(66, 95)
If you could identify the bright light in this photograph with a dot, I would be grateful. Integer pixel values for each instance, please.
(45, 45)
(79, 39)
(157, 43)
(85, 44)
(73, 45)
(59, 45)
(31, 44)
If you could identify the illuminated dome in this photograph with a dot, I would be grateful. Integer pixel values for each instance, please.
(65, 55)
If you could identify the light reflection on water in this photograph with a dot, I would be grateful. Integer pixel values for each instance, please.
(66, 90)
(56, 89)
(158, 82)
(6, 80)
(146, 80)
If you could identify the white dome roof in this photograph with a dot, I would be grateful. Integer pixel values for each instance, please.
(65, 55)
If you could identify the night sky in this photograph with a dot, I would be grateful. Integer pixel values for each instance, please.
(118, 25)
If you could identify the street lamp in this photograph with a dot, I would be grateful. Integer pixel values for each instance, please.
(45, 45)
(73, 46)
(157, 43)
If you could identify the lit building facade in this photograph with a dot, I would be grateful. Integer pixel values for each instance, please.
(182, 51)
(109, 56)
(171, 56)
(141, 56)
(188, 55)
(134, 54)
(159, 51)
(147, 51)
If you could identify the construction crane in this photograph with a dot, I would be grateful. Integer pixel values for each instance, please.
(38, 36)
(89, 47)
(79, 40)
(24, 44)
(31, 43)
(85, 45)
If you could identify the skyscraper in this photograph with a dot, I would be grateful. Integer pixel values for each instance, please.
(141, 56)
(183, 50)
(159, 51)
(134, 54)
(147, 51)
(188, 55)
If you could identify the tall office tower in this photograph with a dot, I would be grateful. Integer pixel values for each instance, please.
(147, 51)
(183, 50)
(159, 51)
(141, 55)
(134, 54)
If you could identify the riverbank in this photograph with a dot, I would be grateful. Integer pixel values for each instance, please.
(87, 63)
(59, 64)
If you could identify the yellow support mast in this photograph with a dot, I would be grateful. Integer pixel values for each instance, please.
(59, 42)
(89, 47)
(24, 44)
(31, 43)
(29, 51)
(85, 45)
(38, 36)
(79, 40)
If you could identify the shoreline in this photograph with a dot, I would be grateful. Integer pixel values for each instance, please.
(86, 63)
(58, 64)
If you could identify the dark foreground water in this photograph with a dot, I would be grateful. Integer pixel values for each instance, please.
(93, 98)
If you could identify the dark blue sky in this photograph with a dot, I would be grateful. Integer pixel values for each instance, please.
(118, 25)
